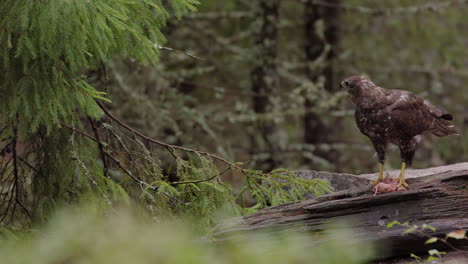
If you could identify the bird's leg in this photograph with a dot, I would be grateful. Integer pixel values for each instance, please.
(379, 146)
(381, 166)
(401, 180)
(407, 149)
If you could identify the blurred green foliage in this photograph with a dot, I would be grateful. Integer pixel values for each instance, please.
(121, 235)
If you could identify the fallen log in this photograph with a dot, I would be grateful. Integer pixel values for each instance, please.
(437, 197)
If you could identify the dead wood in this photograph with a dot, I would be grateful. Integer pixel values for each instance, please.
(438, 197)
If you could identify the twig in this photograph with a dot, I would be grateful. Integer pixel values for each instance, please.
(3, 128)
(79, 132)
(178, 51)
(15, 162)
(204, 180)
(129, 173)
(434, 7)
(29, 165)
(220, 15)
(421, 232)
(100, 146)
(5, 148)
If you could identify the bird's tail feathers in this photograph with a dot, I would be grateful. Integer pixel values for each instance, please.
(443, 127)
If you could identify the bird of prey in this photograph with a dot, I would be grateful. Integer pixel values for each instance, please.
(395, 116)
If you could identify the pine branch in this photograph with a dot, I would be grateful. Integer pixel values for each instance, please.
(166, 145)
(251, 176)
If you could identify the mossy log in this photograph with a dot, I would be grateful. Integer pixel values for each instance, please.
(437, 197)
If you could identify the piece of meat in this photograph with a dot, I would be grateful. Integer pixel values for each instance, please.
(387, 184)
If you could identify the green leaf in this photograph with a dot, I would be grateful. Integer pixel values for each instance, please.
(415, 256)
(424, 226)
(436, 252)
(391, 224)
(432, 258)
(409, 230)
(431, 240)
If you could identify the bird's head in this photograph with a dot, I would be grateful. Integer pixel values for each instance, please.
(355, 84)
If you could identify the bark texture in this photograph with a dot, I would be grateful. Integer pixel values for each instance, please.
(265, 77)
(322, 31)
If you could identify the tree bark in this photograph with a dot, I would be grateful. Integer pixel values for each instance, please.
(320, 50)
(438, 199)
(264, 76)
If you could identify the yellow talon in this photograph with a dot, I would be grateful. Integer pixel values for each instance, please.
(401, 181)
(380, 174)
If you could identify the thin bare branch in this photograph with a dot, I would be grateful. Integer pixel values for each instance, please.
(79, 132)
(204, 180)
(220, 15)
(435, 6)
(178, 51)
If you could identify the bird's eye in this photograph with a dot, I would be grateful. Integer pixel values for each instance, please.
(345, 84)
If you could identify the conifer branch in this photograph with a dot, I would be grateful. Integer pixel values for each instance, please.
(166, 145)
(248, 174)
(107, 154)
(129, 173)
(79, 132)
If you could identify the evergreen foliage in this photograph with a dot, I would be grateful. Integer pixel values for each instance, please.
(45, 45)
(62, 146)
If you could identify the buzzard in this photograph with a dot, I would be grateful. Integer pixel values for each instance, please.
(395, 116)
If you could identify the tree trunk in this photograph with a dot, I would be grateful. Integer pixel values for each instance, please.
(438, 199)
(320, 46)
(265, 77)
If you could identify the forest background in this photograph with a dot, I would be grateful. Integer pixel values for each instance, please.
(185, 114)
(270, 97)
